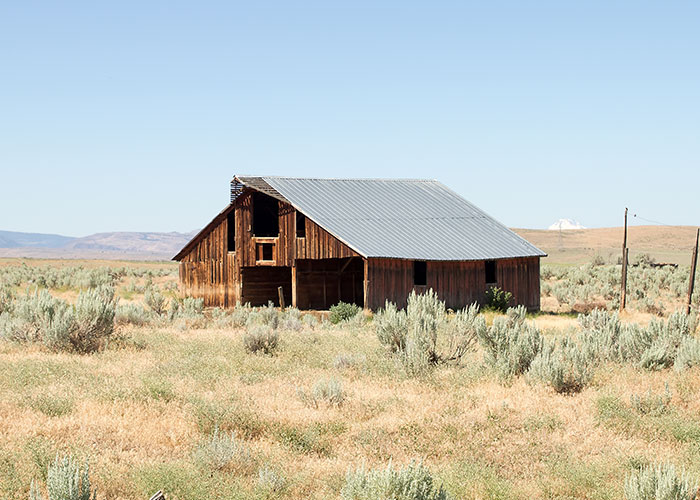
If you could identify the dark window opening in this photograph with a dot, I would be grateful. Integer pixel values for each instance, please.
(420, 273)
(301, 225)
(231, 227)
(264, 251)
(490, 268)
(266, 220)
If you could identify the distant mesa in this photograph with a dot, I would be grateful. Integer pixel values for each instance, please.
(565, 224)
(116, 245)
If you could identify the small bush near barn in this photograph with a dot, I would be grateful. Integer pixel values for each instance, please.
(497, 299)
(343, 312)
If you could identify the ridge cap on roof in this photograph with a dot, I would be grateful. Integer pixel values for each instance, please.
(383, 179)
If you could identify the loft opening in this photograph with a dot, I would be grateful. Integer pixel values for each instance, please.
(266, 212)
(420, 273)
(490, 271)
(264, 252)
(301, 225)
(231, 229)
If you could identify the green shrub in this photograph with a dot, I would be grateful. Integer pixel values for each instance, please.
(260, 338)
(65, 480)
(329, 391)
(510, 344)
(562, 365)
(661, 482)
(223, 451)
(342, 311)
(413, 482)
(497, 299)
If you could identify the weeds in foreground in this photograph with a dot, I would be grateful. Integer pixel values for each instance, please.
(66, 479)
(661, 482)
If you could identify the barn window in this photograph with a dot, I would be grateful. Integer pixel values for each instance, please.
(231, 227)
(301, 225)
(264, 251)
(266, 221)
(420, 273)
(490, 271)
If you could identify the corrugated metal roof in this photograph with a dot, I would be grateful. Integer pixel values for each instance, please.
(400, 218)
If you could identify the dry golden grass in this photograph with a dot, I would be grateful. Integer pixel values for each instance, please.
(664, 243)
(139, 410)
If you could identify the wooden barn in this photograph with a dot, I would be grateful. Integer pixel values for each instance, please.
(363, 241)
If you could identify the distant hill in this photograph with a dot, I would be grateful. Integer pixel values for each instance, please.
(12, 239)
(664, 243)
(116, 245)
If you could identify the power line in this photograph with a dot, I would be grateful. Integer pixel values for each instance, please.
(652, 221)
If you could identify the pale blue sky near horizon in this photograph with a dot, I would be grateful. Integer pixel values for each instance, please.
(134, 116)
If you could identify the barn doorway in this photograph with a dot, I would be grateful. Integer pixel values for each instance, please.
(322, 283)
(260, 285)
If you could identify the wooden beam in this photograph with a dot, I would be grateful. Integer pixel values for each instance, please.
(366, 284)
(294, 286)
(280, 294)
(623, 284)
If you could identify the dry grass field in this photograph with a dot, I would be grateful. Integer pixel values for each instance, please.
(664, 243)
(144, 408)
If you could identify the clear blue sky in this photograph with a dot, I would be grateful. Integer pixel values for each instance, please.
(135, 115)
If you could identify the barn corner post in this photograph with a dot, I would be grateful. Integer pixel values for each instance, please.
(365, 285)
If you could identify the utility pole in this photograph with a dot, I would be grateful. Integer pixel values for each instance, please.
(623, 291)
(693, 265)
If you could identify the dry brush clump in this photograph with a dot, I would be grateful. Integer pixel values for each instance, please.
(510, 343)
(424, 335)
(661, 482)
(659, 345)
(650, 288)
(328, 391)
(221, 451)
(412, 482)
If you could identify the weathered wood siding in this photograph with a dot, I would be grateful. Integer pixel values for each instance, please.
(320, 244)
(209, 271)
(205, 271)
(457, 283)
